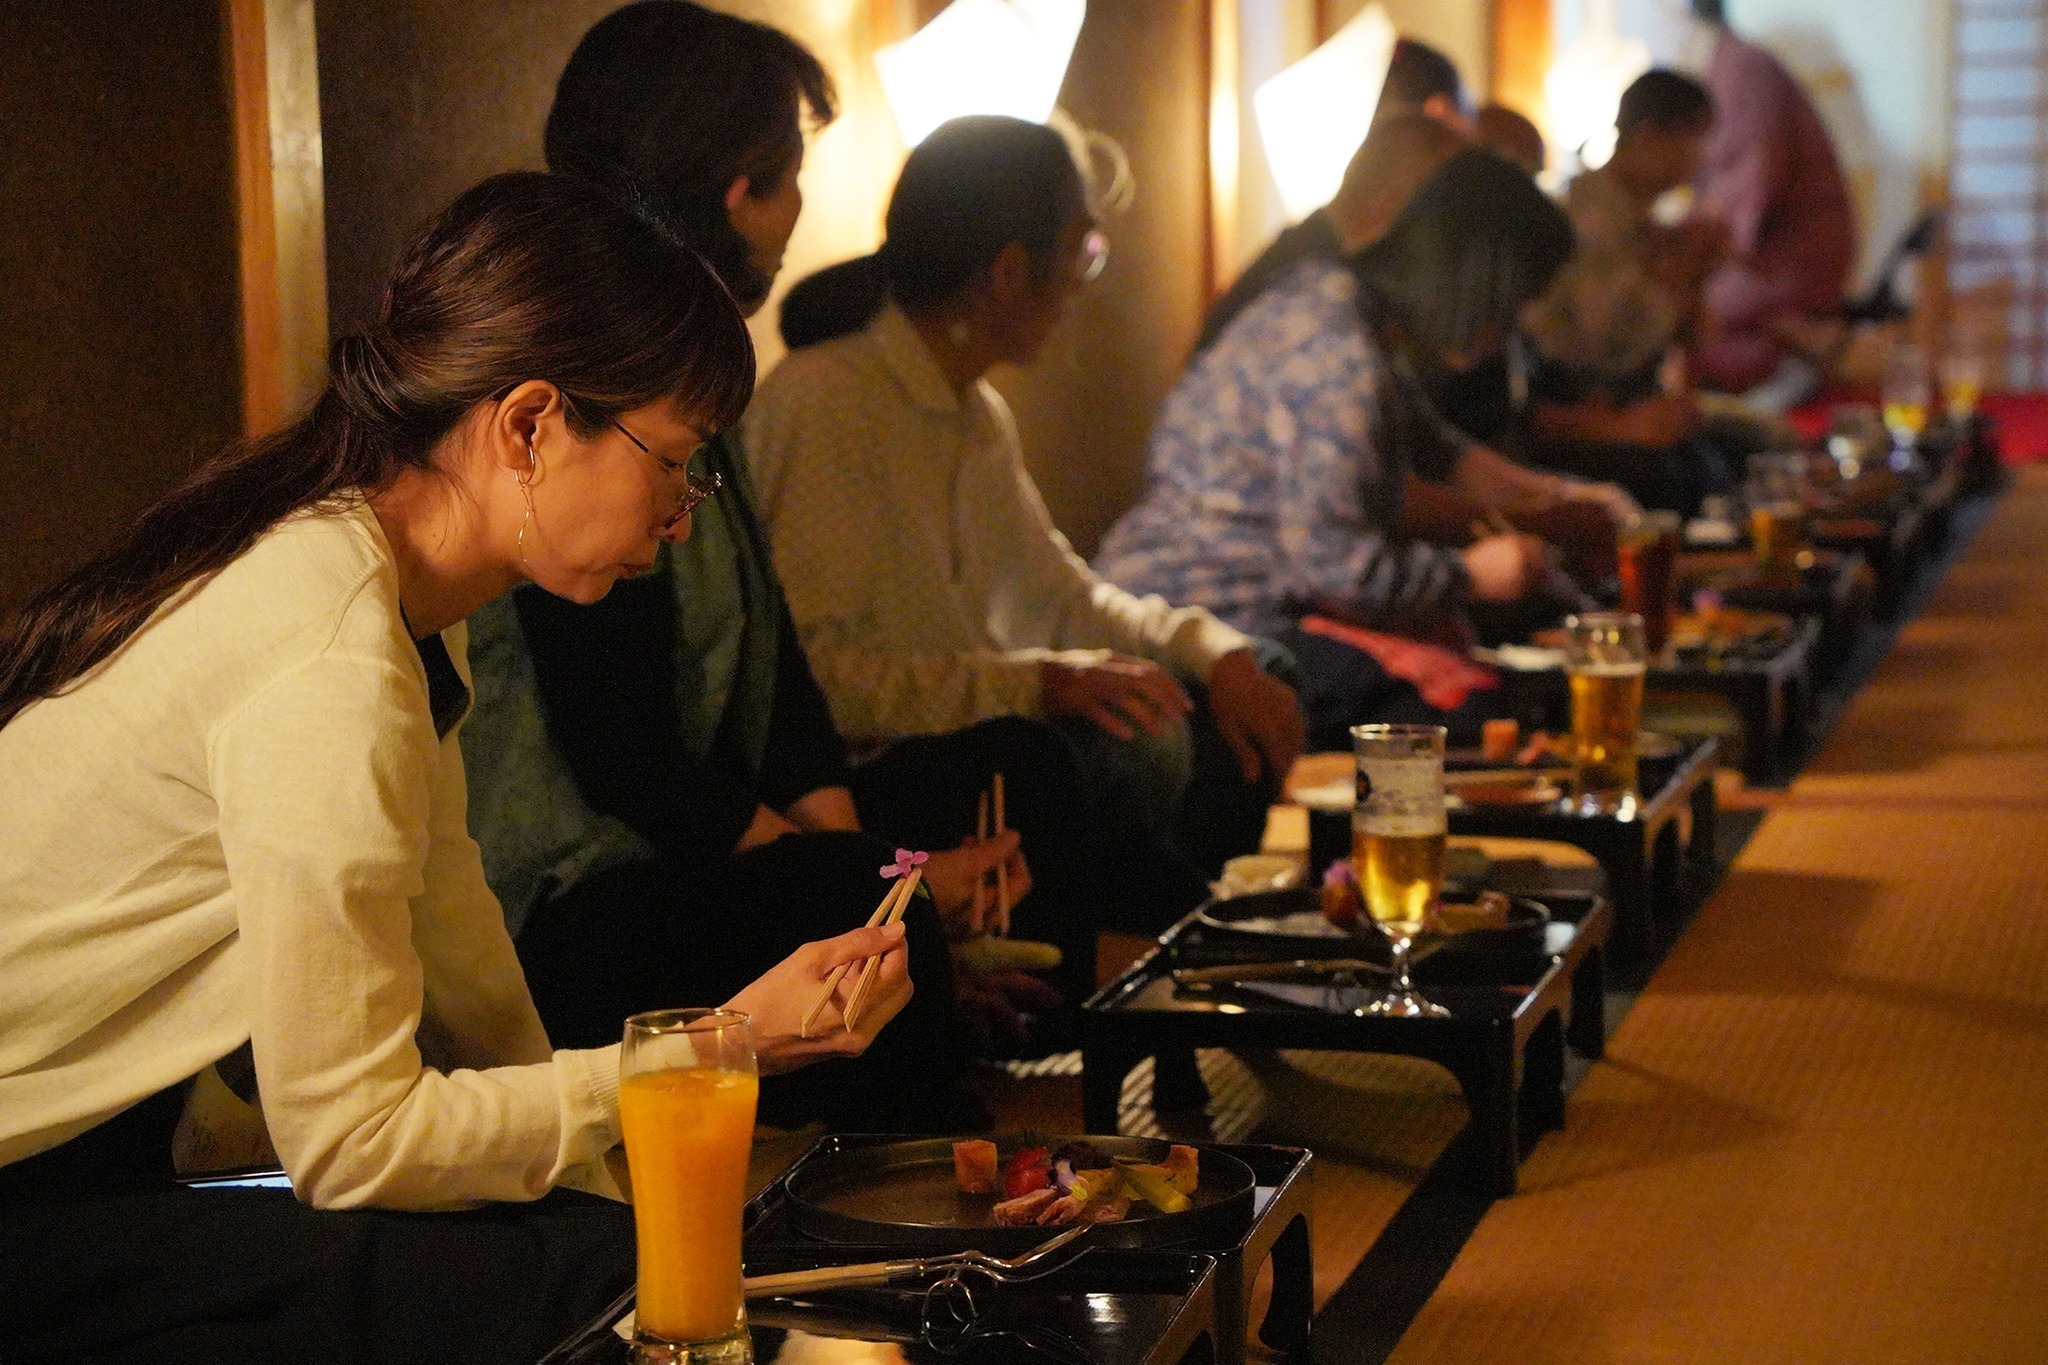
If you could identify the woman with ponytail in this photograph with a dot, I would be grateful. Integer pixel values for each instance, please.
(932, 591)
(239, 914)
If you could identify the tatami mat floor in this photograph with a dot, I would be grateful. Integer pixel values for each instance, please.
(1817, 1136)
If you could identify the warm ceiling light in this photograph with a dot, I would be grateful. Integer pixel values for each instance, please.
(1313, 115)
(981, 57)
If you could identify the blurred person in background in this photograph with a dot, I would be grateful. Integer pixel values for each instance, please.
(1609, 397)
(1422, 80)
(655, 780)
(934, 595)
(1278, 465)
(1453, 480)
(1501, 129)
(1770, 176)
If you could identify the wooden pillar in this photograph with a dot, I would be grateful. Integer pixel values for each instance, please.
(1226, 133)
(280, 207)
(1521, 56)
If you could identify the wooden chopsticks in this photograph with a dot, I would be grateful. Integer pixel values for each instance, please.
(888, 912)
(905, 889)
(984, 830)
(897, 899)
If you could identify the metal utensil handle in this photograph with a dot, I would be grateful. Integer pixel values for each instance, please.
(1228, 973)
(829, 1277)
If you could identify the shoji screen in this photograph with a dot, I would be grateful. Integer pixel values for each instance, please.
(1998, 177)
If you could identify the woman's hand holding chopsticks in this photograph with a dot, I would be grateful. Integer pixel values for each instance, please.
(780, 998)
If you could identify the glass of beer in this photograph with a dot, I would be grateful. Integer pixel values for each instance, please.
(687, 1089)
(1604, 661)
(1647, 551)
(1776, 492)
(1397, 847)
(1962, 384)
(1908, 395)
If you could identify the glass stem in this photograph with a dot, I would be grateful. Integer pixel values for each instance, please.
(1400, 963)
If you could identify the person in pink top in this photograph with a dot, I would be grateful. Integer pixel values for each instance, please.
(1770, 175)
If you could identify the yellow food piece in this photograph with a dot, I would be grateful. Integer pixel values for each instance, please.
(987, 954)
(1183, 1166)
(1090, 1186)
(1458, 919)
(1155, 1185)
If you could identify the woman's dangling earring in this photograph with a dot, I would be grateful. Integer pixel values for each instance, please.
(526, 491)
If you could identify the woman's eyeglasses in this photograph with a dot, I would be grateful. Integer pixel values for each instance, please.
(696, 487)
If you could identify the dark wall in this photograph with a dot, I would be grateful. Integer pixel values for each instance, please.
(119, 348)
(419, 100)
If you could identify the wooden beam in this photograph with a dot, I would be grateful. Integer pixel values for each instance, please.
(1521, 57)
(280, 207)
(255, 220)
(1226, 135)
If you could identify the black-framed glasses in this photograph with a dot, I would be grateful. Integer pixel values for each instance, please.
(696, 487)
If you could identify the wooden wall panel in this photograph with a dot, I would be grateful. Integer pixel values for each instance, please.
(419, 99)
(118, 327)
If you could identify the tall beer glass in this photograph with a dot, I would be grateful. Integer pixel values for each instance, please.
(1647, 556)
(1604, 661)
(1397, 846)
(1776, 492)
(687, 1090)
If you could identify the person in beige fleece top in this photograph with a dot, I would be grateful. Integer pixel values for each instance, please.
(236, 858)
(931, 589)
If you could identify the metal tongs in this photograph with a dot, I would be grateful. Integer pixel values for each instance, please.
(883, 1272)
(1312, 969)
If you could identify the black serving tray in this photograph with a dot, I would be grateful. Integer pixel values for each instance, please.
(1158, 1301)
(903, 1194)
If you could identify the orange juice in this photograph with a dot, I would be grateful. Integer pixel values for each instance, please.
(688, 1131)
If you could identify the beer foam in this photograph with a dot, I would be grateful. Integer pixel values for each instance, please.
(1400, 824)
(1616, 669)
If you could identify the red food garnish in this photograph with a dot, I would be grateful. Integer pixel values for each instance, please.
(1030, 1169)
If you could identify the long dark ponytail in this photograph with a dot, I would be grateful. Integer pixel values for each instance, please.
(526, 276)
(973, 187)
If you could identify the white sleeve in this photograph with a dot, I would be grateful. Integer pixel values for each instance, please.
(330, 786)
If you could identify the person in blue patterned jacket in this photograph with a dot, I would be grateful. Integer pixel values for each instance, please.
(1276, 467)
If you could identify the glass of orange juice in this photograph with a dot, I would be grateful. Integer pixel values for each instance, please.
(687, 1089)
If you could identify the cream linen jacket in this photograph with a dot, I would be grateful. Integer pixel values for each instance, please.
(242, 827)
